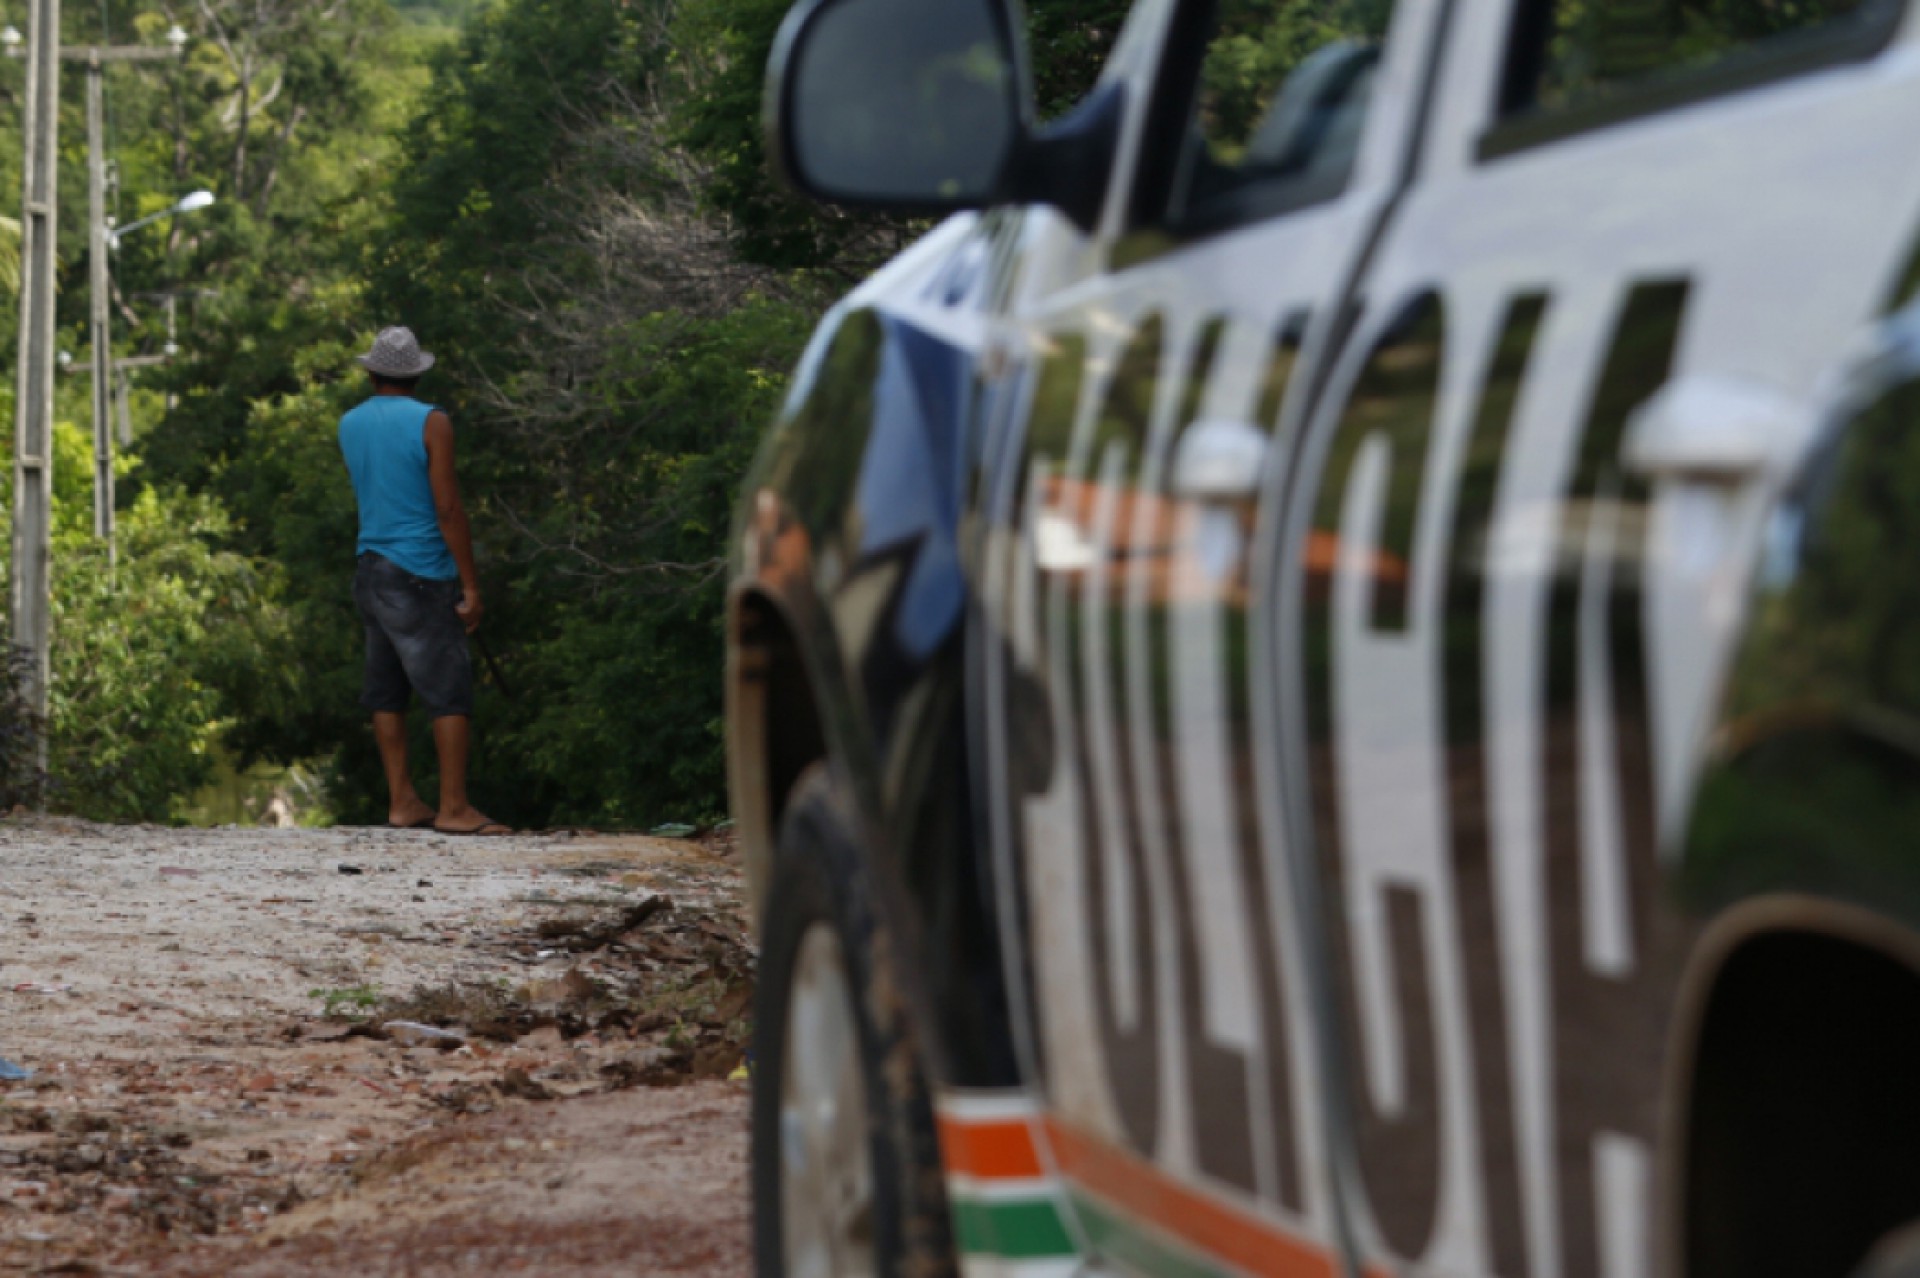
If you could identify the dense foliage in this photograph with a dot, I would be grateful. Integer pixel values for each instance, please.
(508, 179)
(608, 363)
(568, 200)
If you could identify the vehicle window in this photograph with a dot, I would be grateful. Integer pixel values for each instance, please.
(1572, 53)
(1282, 96)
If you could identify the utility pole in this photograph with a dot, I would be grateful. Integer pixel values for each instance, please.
(31, 585)
(172, 348)
(97, 285)
(99, 237)
(123, 388)
(33, 390)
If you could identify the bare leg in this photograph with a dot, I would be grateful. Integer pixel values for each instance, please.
(451, 735)
(404, 804)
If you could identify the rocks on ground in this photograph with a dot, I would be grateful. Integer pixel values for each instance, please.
(513, 1054)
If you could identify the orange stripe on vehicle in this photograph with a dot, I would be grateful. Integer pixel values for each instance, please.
(999, 1149)
(1211, 1227)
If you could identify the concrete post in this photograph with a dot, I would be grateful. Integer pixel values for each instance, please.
(172, 347)
(33, 398)
(122, 388)
(97, 300)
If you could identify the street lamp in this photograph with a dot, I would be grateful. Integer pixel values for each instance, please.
(191, 203)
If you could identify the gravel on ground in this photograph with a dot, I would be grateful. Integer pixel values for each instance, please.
(365, 1051)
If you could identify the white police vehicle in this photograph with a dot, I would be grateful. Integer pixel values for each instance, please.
(1326, 678)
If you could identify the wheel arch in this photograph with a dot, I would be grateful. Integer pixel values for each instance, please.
(1792, 1113)
(775, 728)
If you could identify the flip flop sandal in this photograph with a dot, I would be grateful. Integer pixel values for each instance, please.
(492, 829)
(424, 823)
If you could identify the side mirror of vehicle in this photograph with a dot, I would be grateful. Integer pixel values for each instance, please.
(920, 106)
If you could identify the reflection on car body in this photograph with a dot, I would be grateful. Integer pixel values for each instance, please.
(1356, 635)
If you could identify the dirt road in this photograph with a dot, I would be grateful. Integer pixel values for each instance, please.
(224, 1080)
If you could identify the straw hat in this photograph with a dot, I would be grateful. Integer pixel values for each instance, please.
(396, 353)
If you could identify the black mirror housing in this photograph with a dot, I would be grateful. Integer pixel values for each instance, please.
(921, 107)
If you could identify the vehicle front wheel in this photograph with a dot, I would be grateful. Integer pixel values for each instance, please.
(846, 1169)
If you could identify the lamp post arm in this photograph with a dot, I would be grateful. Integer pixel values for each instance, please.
(192, 203)
(115, 233)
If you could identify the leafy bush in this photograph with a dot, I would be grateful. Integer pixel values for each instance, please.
(139, 644)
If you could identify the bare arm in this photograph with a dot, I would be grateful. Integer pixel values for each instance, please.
(452, 514)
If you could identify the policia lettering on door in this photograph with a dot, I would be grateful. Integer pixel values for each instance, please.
(1107, 630)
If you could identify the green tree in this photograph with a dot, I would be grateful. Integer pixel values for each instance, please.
(609, 364)
(568, 200)
(722, 49)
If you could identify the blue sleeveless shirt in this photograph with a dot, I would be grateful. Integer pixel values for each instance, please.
(384, 441)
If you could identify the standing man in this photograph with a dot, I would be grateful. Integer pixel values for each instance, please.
(416, 587)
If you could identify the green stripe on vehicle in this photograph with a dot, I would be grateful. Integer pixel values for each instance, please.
(1140, 1249)
(1024, 1229)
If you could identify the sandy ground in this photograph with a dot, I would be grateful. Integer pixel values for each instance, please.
(194, 1109)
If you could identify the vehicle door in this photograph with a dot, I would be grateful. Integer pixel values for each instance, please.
(1590, 341)
(1148, 405)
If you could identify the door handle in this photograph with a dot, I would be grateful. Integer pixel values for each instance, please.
(1219, 460)
(1714, 429)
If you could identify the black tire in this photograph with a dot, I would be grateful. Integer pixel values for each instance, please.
(819, 876)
